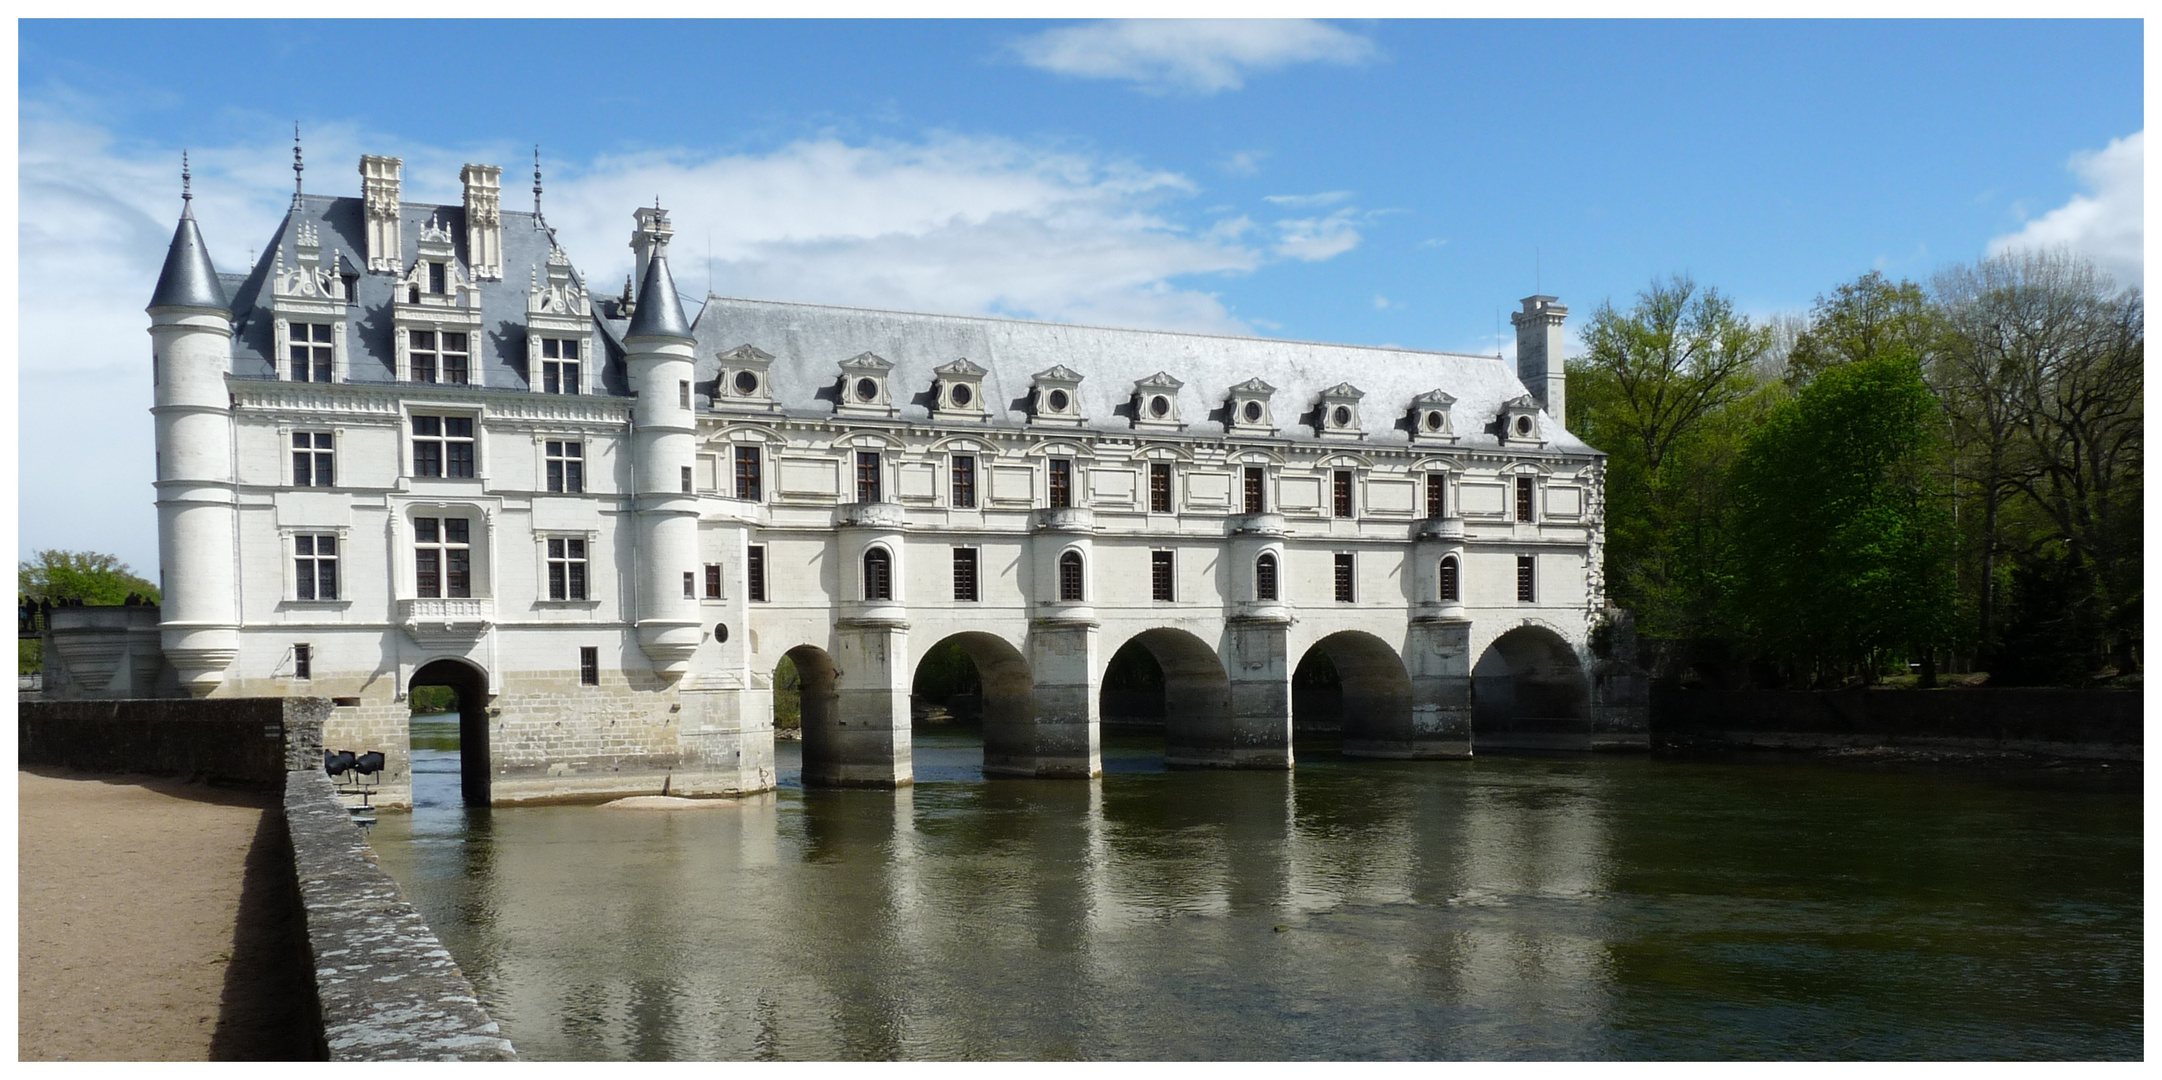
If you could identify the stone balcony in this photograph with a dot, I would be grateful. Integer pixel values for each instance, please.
(1065, 519)
(440, 621)
(1256, 525)
(870, 515)
(1441, 528)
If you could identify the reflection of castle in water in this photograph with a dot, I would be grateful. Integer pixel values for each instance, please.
(386, 461)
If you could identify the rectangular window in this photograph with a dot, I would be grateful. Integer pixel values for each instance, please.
(1340, 485)
(1523, 498)
(315, 567)
(455, 356)
(1256, 499)
(309, 350)
(750, 474)
(303, 662)
(1265, 577)
(589, 666)
(754, 573)
(421, 355)
(559, 366)
(964, 574)
(442, 557)
(683, 394)
(1451, 580)
(566, 466)
(690, 585)
(686, 471)
(436, 278)
(1345, 577)
(352, 288)
(313, 465)
(1160, 576)
(566, 568)
(1159, 487)
(713, 581)
(443, 446)
(1527, 588)
(964, 481)
(1061, 482)
(1437, 495)
(867, 486)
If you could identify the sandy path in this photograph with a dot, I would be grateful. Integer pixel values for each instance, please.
(130, 894)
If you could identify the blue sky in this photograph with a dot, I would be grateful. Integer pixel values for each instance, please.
(1368, 182)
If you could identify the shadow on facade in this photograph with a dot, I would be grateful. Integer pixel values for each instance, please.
(1530, 692)
(470, 684)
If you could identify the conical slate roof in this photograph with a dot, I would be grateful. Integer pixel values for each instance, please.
(188, 279)
(660, 313)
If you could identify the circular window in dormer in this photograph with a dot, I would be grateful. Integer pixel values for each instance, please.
(746, 382)
(1523, 425)
(1058, 400)
(961, 394)
(1252, 412)
(866, 389)
(1159, 406)
(1433, 421)
(1342, 416)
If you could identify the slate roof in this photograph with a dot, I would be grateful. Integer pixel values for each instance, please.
(659, 312)
(188, 279)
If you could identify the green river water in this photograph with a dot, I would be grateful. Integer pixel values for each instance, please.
(1612, 907)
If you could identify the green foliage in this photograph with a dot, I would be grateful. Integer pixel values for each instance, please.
(87, 576)
(946, 670)
(1868, 317)
(787, 695)
(431, 700)
(29, 656)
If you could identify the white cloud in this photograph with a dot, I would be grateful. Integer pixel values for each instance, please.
(1244, 163)
(1319, 198)
(1381, 303)
(1315, 239)
(1201, 56)
(2106, 225)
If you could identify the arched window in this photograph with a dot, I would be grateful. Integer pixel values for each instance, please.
(877, 574)
(1265, 577)
(1449, 589)
(1069, 576)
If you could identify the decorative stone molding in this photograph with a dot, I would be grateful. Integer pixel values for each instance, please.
(559, 309)
(1519, 422)
(308, 293)
(866, 388)
(1431, 422)
(1055, 397)
(379, 183)
(483, 219)
(438, 622)
(958, 393)
(1246, 409)
(1336, 414)
(1156, 403)
(745, 384)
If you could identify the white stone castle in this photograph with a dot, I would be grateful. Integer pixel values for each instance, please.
(412, 446)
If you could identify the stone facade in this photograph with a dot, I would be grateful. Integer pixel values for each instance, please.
(606, 523)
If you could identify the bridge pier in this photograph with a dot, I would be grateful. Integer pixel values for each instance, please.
(1439, 659)
(863, 740)
(1257, 658)
(1059, 738)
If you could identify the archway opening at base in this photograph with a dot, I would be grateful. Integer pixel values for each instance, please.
(973, 684)
(1353, 685)
(1166, 681)
(1529, 691)
(806, 700)
(459, 685)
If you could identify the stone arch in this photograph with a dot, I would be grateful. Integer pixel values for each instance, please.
(1009, 701)
(1196, 697)
(818, 684)
(470, 683)
(1372, 699)
(1529, 691)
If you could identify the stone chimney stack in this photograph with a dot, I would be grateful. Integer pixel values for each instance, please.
(1539, 353)
(379, 179)
(650, 238)
(483, 220)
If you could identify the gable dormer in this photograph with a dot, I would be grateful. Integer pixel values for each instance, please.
(560, 348)
(436, 279)
(308, 308)
(1055, 398)
(1336, 414)
(746, 381)
(435, 316)
(958, 393)
(1431, 423)
(866, 388)
(1246, 409)
(1519, 421)
(1156, 403)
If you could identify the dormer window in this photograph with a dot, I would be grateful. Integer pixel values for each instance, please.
(309, 351)
(1519, 421)
(436, 278)
(865, 386)
(745, 381)
(1337, 413)
(1247, 410)
(958, 394)
(1430, 419)
(1057, 394)
(439, 357)
(560, 366)
(1156, 403)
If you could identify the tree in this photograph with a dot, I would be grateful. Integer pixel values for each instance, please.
(87, 577)
(1842, 539)
(1868, 317)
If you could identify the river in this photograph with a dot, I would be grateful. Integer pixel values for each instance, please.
(1563, 907)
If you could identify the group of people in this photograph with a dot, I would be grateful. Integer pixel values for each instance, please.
(34, 616)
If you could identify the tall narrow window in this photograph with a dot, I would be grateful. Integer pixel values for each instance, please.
(867, 476)
(964, 574)
(1340, 486)
(1345, 578)
(1159, 487)
(1527, 587)
(422, 355)
(559, 366)
(683, 394)
(685, 472)
(750, 474)
(1265, 577)
(1451, 583)
(566, 466)
(455, 358)
(754, 573)
(436, 278)
(315, 566)
(1256, 484)
(309, 350)
(566, 568)
(1061, 482)
(303, 662)
(690, 585)
(1162, 578)
(964, 481)
(1069, 576)
(313, 464)
(1437, 495)
(589, 666)
(713, 581)
(443, 446)
(1523, 498)
(877, 574)
(442, 557)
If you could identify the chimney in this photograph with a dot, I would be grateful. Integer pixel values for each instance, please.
(1539, 353)
(379, 191)
(483, 220)
(650, 237)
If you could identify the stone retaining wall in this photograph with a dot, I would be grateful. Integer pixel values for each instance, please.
(231, 740)
(2100, 724)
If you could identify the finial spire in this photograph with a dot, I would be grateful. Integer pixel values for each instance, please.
(296, 165)
(536, 182)
(187, 183)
